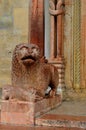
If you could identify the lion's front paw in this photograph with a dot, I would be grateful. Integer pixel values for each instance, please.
(52, 93)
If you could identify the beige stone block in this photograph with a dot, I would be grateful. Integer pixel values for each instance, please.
(5, 71)
(11, 35)
(21, 20)
(20, 3)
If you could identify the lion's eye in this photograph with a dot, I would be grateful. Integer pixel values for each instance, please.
(35, 50)
(23, 47)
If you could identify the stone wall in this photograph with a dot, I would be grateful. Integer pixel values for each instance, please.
(13, 30)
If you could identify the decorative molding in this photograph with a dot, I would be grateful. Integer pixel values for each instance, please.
(76, 23)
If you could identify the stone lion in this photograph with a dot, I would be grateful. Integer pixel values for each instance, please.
(31, 74)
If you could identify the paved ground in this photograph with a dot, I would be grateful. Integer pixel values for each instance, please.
(77, 108)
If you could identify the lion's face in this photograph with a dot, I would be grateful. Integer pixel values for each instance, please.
(27, 53)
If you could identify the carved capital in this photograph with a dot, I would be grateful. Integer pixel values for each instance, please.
(56, 8)
(59, 4)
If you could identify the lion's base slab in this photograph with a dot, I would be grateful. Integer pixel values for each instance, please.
(24, 113)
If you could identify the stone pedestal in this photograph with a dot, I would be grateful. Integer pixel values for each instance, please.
(20, 113)
(25, 113)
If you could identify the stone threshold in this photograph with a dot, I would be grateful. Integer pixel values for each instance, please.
(16, 127)
(62, 121)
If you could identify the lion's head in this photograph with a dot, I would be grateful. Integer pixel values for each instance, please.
(27, 54)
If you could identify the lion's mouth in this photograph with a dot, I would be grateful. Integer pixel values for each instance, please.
(28, 58)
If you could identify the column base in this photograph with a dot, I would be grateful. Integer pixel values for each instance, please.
(59, 62)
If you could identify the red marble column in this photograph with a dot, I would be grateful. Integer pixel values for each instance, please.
(59, 28)
(37, 23)
(56, 11)
(52, 30)
(59, 36)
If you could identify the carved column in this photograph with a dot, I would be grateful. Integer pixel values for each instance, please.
(76, 44)
(56, 57)
(37, 23)
(83, 45)
(59, 28)
(52, 30)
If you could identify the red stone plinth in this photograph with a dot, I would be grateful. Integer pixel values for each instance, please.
(17, 112)
(25, 113)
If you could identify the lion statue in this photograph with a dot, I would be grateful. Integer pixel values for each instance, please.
(31, 74)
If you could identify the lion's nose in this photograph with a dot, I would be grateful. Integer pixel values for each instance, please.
(30, 51)
(24, 52)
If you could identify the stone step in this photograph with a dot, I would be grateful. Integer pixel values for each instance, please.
(64, 121)
(13, 127)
